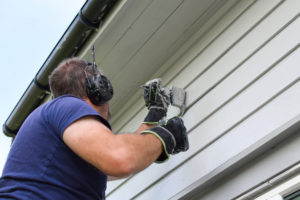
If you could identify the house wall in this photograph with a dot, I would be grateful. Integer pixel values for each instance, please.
(241, 73)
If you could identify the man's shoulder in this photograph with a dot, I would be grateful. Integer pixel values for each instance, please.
(67, 106)
(72, 107)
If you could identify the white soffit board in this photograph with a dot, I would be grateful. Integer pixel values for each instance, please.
(140, 35)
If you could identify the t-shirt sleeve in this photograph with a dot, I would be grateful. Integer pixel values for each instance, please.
(67, 110)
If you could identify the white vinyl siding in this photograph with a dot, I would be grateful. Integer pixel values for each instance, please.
(241, 72)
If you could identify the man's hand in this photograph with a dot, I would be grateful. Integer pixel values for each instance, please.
(176, 127)
(172, 134)
(156, 101)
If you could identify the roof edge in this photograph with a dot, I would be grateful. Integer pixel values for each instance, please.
(85, 24)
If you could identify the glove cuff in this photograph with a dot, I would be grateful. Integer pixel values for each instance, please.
(167, 139)
(154, 115)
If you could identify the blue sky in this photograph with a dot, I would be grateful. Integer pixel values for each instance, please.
(29, 31)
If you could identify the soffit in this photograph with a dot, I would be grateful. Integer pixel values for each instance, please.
(140, 36)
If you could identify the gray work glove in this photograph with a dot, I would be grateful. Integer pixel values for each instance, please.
(173, 136)
(156, 100)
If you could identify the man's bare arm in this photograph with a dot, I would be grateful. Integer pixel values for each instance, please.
(115, 155)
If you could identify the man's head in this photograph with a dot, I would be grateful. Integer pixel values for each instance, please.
(76, 77)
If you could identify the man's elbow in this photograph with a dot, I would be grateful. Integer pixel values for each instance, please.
(124, 163)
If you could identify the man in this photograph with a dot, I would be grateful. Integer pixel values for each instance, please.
(65, 148)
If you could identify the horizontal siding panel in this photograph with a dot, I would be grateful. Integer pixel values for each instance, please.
(133, 112)
(218, 47)
(128, 118)
(177, 66)
(251, 69)
(150, 56)
(192, 170)
(168, 75)
(234, 13)
(246, 103)
(256, 66)
(229, 38)
(210, 31)
(226, 119)
(242, 49)
(278, 161)
(206, 79)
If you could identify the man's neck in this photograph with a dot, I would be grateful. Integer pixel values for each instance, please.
(103, 109)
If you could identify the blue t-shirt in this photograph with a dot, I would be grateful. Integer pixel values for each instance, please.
(41, 166)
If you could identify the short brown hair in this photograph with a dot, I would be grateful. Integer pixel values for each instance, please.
(69, 78)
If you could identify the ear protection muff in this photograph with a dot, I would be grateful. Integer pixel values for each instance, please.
(98, 87)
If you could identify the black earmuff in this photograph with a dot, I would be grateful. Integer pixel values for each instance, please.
(99, 88)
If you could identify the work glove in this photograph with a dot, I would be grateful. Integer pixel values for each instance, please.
(173, 136)
(156, 100)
